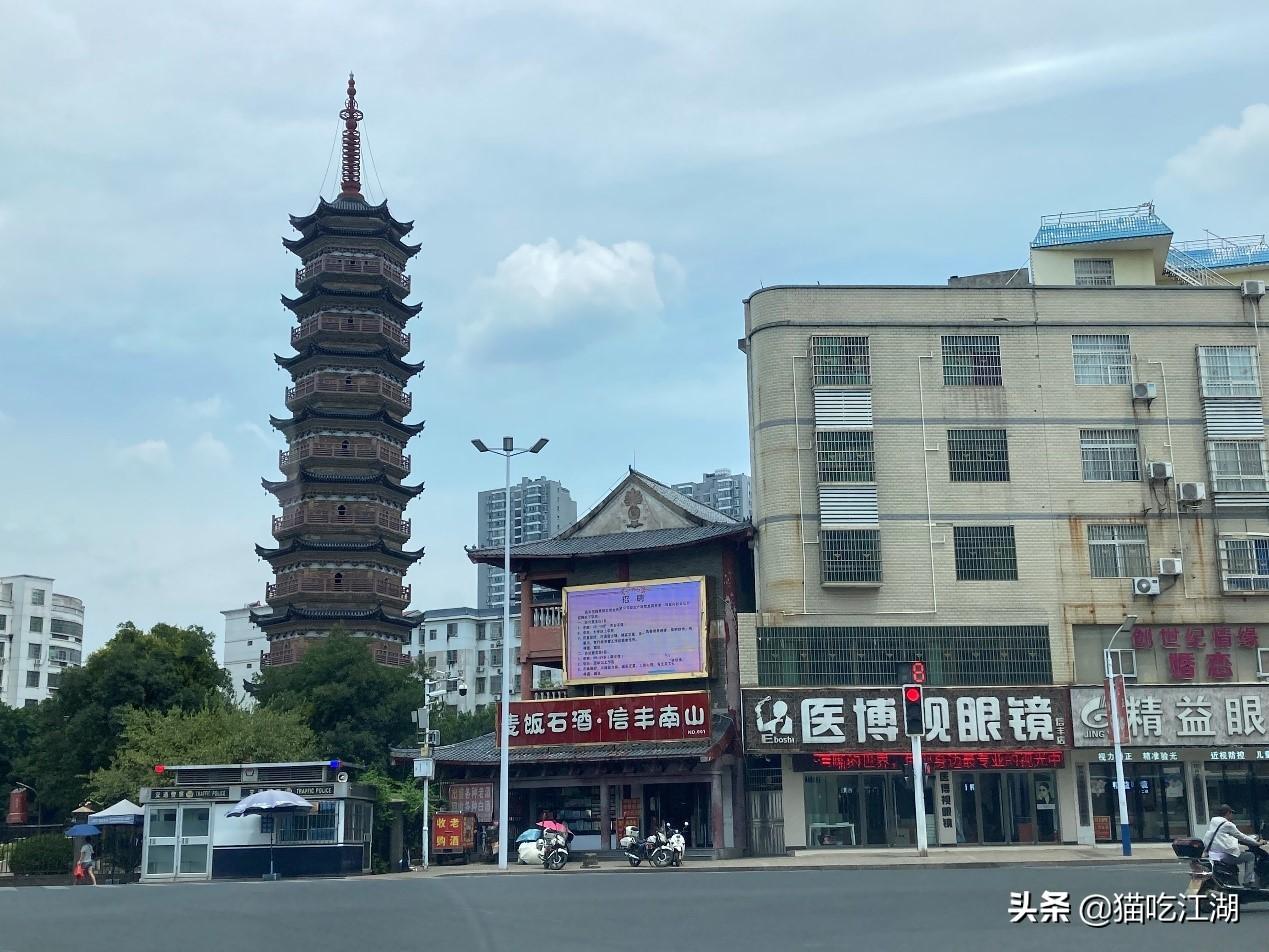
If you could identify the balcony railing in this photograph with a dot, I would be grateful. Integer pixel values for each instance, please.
(383, 656)
(351, 516)
(328, 583)
(349, 324)
(352, 384)
(549, 694)
(345, 264)
(369, 450)
(549, 616)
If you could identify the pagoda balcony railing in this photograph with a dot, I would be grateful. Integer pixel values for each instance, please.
(375, 517)
(336, 583)
(347, 264)
(310, 449)
(551, 616)
(353, 384)
(349, 324)
(381, 656)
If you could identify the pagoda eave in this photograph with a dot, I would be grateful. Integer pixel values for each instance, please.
(311, 301)
(316, 351)
(332, 416)
(350, 208)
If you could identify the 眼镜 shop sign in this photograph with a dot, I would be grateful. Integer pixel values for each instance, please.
(1196, 715)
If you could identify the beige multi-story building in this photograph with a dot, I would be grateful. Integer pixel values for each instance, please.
(992, 477)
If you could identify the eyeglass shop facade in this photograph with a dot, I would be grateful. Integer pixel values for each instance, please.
(993, 756)
(189, 837)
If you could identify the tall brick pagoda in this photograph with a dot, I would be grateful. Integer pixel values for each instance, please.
(339, 558)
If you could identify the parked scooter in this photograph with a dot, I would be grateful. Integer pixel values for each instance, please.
(1208, 877)
(677, 847)
(554, 844)
(636, 847)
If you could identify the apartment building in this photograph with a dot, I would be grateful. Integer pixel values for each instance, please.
(997, 477)
(245, 648)
(723, 490)
(41, 634)
(465, 644)
(540, 508)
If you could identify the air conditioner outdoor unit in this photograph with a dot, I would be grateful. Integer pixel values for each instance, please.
(1169, 566)
(1253, 289)
(1145, 585)
(1159, 471)
(1144, 391)
(1191, 492)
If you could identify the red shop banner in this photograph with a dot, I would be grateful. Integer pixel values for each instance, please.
(609, 719)
(940, 760)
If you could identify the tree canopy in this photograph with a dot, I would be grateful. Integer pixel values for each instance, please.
(79, 729)
(356, 707)
(216, 734)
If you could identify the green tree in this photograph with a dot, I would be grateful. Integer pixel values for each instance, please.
(217, 734)
(17, 728)
(356, 707)
(78, 730)
(456, 725)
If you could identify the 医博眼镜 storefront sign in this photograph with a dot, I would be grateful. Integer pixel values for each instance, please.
(609, 719)
(815, 719)
(1160, 715)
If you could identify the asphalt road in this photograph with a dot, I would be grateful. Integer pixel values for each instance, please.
(893, 909)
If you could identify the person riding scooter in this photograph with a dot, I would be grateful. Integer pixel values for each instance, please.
(1225, 843)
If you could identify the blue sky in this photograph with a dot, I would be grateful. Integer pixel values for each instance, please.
(596, 186)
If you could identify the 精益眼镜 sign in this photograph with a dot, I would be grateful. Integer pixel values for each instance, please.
(635, 631)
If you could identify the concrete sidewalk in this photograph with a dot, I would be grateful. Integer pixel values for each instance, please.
(950, 857)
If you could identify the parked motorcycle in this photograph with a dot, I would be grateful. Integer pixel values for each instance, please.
(554, 844)
(635, 846)
(1209, 877)
(677, 847)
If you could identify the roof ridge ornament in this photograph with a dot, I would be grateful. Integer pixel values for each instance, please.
(350, 184)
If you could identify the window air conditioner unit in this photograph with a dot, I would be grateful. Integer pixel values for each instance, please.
(1159, 471)
(1253, 289)
(1144, 391)
(1191, 492)
(1145, 585)
(1169, 566)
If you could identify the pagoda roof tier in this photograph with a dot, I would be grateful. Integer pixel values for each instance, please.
(307, 477)
(313, 351)
(326, 229)
(300, 545)
(344, 415)
(345, 207)
(294, 613)
(312, 301)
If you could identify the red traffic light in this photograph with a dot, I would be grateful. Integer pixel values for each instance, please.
(911, 694)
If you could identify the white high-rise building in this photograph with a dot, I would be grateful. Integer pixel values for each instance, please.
(723, 490)
(41, 633)
(540, 508)
(244, 642)
(465, 644)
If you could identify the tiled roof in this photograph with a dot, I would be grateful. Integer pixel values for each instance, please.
(687, 503)
(305, 544)
(294, 613)
(483, 750)
(615, 542)
(344, 413)
(1110, 224)
(1216, 255)
(335, 478)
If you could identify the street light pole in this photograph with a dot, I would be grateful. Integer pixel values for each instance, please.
(508, 450)
(1117, 734)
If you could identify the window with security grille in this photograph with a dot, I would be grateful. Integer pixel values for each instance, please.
(978, 456)
(1109, 456)
(811, 656)
(1238, 466)
(840, 361)
(1229, 371)
(985, 554)
(1101, 359)
(844, 456)
(971, 361)
(1245, 564)
(1094, 272)
(1117, 551)
(850, 555)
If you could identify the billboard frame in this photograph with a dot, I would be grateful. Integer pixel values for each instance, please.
(642, 583)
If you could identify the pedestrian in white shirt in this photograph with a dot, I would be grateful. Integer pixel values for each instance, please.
(1225, 842)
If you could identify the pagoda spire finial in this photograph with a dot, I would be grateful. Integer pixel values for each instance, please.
(350, 185)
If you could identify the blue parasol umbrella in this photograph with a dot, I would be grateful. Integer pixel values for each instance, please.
(270, 802)
(83, 829)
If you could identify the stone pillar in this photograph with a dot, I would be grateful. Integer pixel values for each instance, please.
(717, 835)
(605, 816)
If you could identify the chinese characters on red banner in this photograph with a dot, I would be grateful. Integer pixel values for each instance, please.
(946, 760)
(614, 719)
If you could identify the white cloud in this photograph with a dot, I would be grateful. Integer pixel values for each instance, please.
(260, 433)
(207, 409)
(574, 294)
(1224, 158)
(147, 452)
(210, 451)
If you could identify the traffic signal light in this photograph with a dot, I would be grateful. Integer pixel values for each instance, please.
(913, 713)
